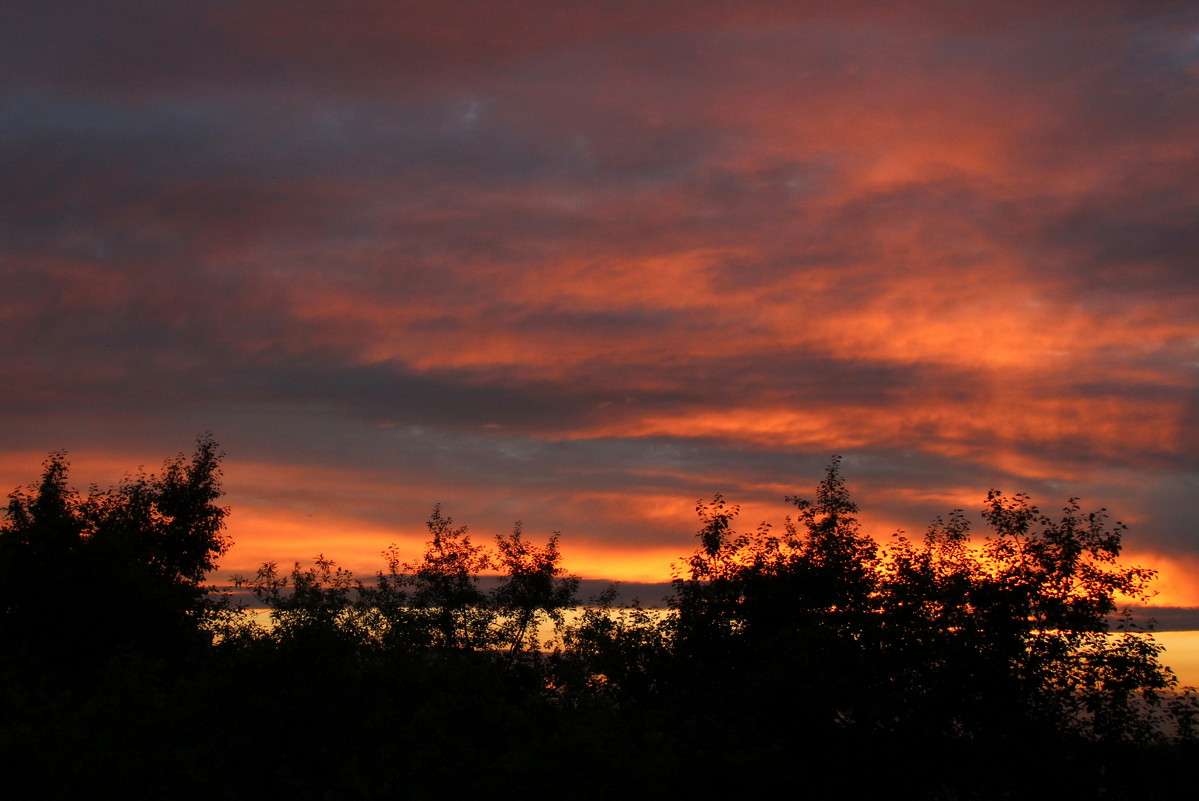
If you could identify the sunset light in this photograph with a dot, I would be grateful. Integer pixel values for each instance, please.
(583, 265)
(511, 273)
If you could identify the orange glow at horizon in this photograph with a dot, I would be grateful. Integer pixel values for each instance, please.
(262, 537)
(286, 536)
(274, 519)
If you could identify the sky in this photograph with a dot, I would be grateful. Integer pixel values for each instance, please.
(581, 264)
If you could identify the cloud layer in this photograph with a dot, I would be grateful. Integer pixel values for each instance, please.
(583, 264)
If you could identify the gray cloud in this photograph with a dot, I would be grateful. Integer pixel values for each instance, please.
(543, 265)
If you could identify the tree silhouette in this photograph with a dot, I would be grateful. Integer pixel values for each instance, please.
(445, 586)
(533, 587)
(73, 567)
(1018, 626)
(311, 608)
(949, 638)
(947, 668)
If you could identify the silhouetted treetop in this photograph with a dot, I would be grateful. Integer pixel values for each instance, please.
(950, 636)
(115, 569)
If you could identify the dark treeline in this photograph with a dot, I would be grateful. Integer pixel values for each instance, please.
(805, 659)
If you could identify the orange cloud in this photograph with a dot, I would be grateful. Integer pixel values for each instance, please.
(586, 263)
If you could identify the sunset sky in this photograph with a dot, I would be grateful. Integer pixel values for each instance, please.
(580, 264)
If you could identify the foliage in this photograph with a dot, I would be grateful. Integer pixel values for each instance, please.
(445, 586)
(1019, 624)
(435, 602)
(71, 566)
(533, 587)
(947, 638)
(618, 652)
(964, 668)
(312, 606)
(762, 590)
